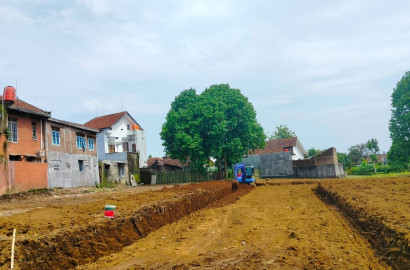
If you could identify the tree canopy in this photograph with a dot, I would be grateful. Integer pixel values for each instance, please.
(357, 153)
(313, 151)
(219, 123)
(400, 122)
(282, 132)
(373, 146)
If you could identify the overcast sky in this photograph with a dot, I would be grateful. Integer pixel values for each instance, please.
(326, 69)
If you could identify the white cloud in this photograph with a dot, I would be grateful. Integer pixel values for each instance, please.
(11, 16)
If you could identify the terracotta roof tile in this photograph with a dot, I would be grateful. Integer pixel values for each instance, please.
(164, 161)
(20, 105)
(104, 121)
(275, 146)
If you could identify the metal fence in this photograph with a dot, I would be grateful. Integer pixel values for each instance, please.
(175, 177)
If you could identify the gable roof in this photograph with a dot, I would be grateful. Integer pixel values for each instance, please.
(107, 121)
(22, 106)
(276, 146)
(164, 161)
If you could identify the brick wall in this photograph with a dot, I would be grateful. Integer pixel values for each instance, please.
(326, 157)
(68, 140)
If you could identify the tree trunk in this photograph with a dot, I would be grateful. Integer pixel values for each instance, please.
(226, 168)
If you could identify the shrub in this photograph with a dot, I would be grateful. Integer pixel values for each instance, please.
(383, 168)
(137, 178)
(363, 170)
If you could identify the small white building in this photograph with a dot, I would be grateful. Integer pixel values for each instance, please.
(119, 135)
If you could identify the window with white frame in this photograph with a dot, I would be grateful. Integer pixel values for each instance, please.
(81, 142)
(55, 134)
(13, 135)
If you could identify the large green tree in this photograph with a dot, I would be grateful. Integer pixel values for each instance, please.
(282, 132)
(400, 122)
(219, 123)
(180, 135)
(373, 146)
(357, 153)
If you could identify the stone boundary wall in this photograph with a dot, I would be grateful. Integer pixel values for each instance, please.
(328, 156)
(320, 171)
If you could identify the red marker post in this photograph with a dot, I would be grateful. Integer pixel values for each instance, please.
(109, 211)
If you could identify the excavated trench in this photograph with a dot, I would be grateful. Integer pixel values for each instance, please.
(67, 248)
(390, 244)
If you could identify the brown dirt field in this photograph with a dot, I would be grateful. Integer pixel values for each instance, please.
(273, 227)
(380, 209)
(282, 225)
(64, 230)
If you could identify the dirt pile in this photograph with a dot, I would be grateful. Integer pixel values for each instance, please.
(375, 207)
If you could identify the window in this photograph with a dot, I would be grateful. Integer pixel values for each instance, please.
(91, 144)
(111, 148)
(55, 136)
(134, 148)
(13, 130)
(128, 127)
(80, 165)
(81, 142)
(125, 147)
(34, 127)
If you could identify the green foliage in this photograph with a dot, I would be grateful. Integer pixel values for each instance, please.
(282, 132)
(344, 159)
(137, 178)
(150, 156)
(363, 170)
(312, 151)
(399, 126)
(219, 123)
(373, 146)
(357, 153)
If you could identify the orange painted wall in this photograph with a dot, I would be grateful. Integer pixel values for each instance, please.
(22, 175)
(27, 175)
(25, 145)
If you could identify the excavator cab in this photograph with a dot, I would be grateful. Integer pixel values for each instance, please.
(244, 174)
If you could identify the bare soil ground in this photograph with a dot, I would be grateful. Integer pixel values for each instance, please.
(282, 225)
(380, 209)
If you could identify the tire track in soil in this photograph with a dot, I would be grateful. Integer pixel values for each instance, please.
(273, 227)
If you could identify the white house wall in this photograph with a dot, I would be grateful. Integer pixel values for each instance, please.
(120, 130)
(297, 154)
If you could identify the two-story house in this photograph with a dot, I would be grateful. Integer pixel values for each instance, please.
(37, 151)
(121, 145)
(71, 154)
(23, 148)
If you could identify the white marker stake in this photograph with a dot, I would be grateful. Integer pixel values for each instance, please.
(12, 249)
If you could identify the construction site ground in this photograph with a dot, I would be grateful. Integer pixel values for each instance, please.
(280, 224)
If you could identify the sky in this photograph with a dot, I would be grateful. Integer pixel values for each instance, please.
(325, 69)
